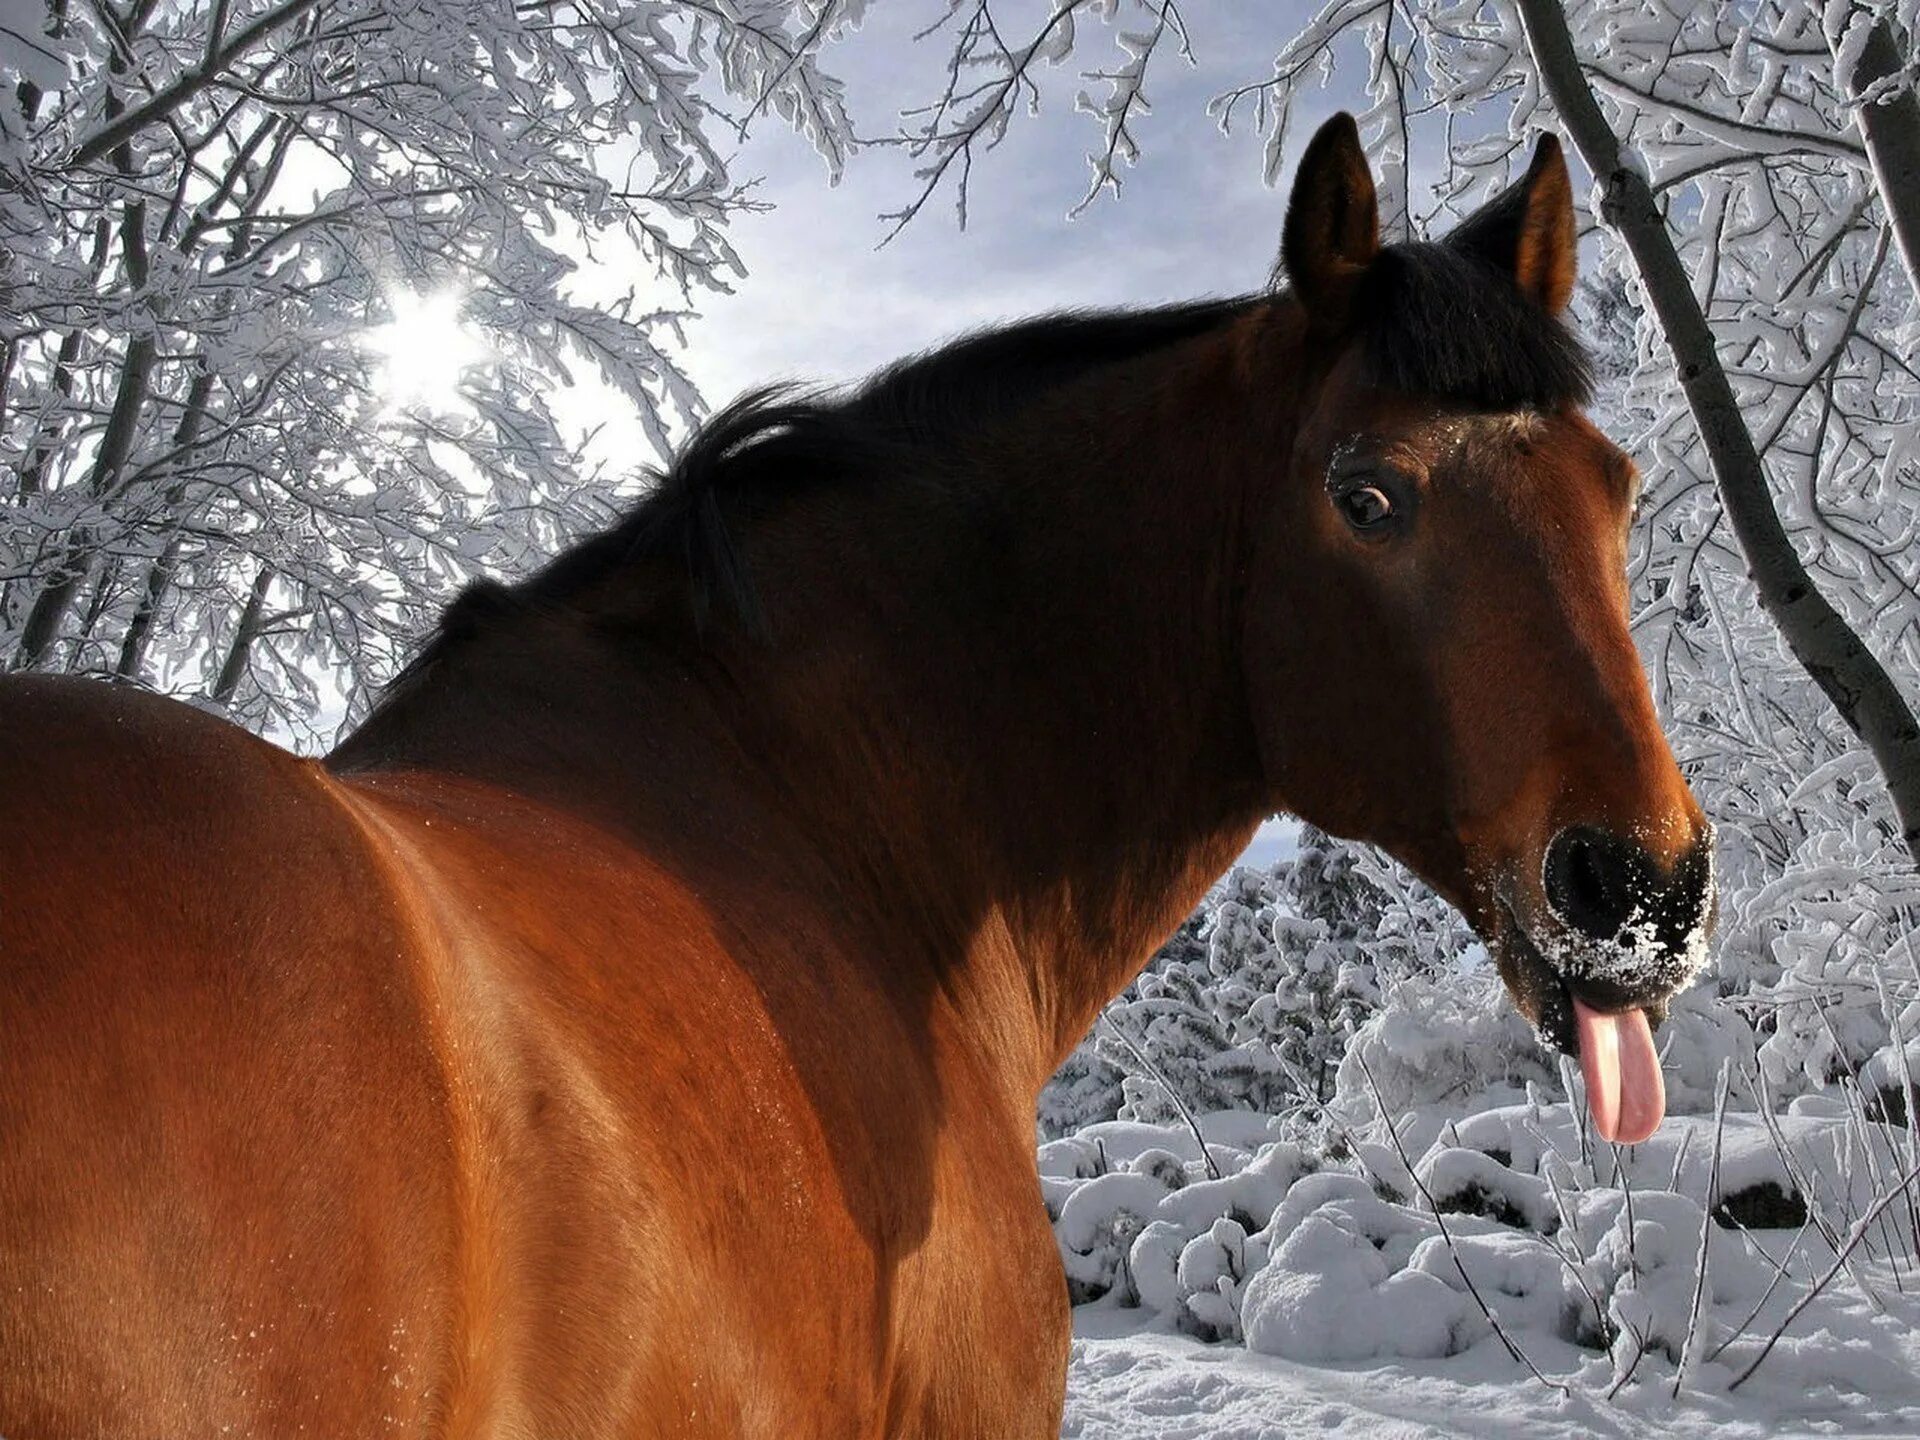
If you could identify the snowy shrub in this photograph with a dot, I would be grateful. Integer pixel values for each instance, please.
(1451, 1042)
(1461, 1181)
(1086, 1089)
(1589, 1262)
(1332, 1291)
(1705, 1033)
(1251, 1003)
(1140, 1221)
(1846, 994)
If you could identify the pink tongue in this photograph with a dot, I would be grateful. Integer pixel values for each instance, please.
(1625, 1091)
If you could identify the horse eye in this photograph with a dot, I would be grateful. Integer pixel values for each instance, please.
(1366, 506)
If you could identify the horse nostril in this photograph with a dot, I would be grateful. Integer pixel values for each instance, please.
(1591, 880)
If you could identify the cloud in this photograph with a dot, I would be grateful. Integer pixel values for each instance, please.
(821, 302)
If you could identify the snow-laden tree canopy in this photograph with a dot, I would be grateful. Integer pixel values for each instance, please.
(227, 225)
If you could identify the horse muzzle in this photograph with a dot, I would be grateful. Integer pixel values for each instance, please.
(1616, 935)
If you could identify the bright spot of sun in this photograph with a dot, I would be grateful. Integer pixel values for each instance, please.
(425, 351)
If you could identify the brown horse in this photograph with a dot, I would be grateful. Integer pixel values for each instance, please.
(634, 1027)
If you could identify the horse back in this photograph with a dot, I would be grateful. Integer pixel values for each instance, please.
(344, 1104)
(220, 1176)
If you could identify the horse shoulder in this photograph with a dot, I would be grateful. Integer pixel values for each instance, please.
(983, 1336)
(224, 1172)
(657, 1149)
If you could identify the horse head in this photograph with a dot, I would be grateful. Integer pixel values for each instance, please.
(1439, 649)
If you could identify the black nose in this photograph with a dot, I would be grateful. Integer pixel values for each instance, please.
(1598, 883)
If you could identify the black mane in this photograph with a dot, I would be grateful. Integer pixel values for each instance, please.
(1432, 320)
(780, 440)
(1439, 321)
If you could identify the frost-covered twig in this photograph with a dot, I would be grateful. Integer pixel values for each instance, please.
(1453, 1251)
(1809, 1195)
(1897, 1042)
(1153, 1073)
(1706, 1223)
(1839, 1262)
(1781, 1272)
(1127, 93)
(1621, 1377)
(1796, 1173)
(1603, 1327)
(969, 113)
(1681, 1150)
(1639, 1353)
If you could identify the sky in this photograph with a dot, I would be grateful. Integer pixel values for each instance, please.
(823, 300)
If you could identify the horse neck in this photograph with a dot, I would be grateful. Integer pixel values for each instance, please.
(1010, 732)
(1022, 718)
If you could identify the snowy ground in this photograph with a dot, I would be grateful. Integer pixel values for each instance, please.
(1130, 1381)
(1300, 1293)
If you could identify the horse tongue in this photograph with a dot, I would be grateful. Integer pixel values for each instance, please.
(1625, 1089)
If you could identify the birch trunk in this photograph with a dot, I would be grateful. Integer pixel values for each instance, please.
(1890, 129)
(1827, 647)
(235, 665)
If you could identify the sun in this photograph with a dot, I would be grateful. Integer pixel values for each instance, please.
(426, 351)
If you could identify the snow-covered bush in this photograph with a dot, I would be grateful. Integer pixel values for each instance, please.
(1450, 1043)
(1843, 1001)
(1088, 1088)
(1691, 1250)
(1251, 1003)
(1140, 1218)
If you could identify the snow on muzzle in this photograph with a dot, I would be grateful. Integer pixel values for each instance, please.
(1625, 934)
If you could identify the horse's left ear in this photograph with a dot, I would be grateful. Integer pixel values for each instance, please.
(1527, 230)
(1333, 223)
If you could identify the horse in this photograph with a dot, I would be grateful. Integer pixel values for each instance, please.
(634, 1026)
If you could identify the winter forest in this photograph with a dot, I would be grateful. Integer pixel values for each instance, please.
(314, 311)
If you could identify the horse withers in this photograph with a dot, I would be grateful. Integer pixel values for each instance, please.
(634, 1027)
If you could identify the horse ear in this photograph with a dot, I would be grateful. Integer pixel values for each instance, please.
(1527, 230)
(1333, 222)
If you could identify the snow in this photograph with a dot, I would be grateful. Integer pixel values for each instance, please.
(1128, 1380)
(1332, 1293)
(1301, 1280)
(1356, 1307)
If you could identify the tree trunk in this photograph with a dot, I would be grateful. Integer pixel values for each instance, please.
(1819, 636)
(133, 644)
(102, 597)
(56, 596)
(130, 396)
(235, 665)
(1891, 130)
(33, 473)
